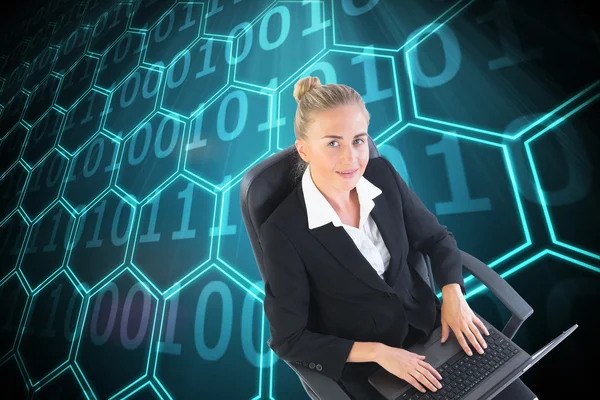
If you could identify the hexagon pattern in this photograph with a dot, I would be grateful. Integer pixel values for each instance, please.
(126, 127)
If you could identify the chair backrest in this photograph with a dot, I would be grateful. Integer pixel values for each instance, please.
(269, 182)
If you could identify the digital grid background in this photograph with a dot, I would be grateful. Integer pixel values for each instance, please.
(127, 126)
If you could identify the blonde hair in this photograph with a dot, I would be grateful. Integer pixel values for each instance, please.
(312, 97)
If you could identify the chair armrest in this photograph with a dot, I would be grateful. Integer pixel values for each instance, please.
(323, 386)
(518, 307)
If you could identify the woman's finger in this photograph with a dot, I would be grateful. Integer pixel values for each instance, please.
(480, 324)
(430, 367)
(472, 339)
(424, 381)
(462, 341)
(477, 334)
(411, 379)
(425, 371)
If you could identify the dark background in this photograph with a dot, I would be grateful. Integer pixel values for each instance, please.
(125, 266)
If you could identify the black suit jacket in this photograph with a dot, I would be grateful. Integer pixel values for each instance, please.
(322, 295)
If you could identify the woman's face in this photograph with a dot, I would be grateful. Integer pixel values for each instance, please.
(337, 143)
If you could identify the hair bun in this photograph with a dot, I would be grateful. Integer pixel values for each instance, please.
(305, 85)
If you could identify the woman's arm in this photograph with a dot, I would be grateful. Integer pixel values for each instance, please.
(427, 235)
(287, 296)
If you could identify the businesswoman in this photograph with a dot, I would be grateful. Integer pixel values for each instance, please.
(340, 296)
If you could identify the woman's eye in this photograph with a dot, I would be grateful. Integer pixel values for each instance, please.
(334, 142)
(360, 140)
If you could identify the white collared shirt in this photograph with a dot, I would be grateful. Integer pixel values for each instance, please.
(367, 237)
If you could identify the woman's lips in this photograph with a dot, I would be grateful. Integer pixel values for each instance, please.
(347, 175)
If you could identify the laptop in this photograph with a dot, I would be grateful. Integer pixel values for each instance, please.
(480, 376)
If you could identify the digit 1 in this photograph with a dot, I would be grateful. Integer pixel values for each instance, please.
(197, 126)
(48, 332)
(185, 232)
(51, 246)
(38, 176)
(206, 68)
(214, 9)
(227, 229)
(508, 37)
(68, 81)
(316, 13)
(373, 92)
(89, 65)
(116, 21)
(88, 116)
(17, 247)
(69, 124)
(461, 202)
(189, 22)
(71, 176)
(113, 165)
(96, 241)
(33, 239)
(168, 345)
(152, 236)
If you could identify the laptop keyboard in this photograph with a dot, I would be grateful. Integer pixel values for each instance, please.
(462, 373)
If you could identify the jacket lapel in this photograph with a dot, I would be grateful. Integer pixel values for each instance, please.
(337, 241)
(389, 228)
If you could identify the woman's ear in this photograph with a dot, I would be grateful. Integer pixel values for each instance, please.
(301, 147)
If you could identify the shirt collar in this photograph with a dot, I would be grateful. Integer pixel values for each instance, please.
(320, 212)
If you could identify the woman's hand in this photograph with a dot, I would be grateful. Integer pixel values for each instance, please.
(458, 316)
(408, 366)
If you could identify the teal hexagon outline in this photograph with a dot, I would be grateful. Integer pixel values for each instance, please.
(439, 19)
(135, 7)
(17, 361)
(26, 185)
(366, 51)
(177, 288)
(476, 130)
(59, 373)
(512, 178)
(83, 29)
(21, 151)
(53, 62)
(229, 37)
(160, 92)
(130, 137)
(143, 280)
(103, 116)
(76, 212)
(27, 236)
(20, 120)
(10, 80)
(523, 264)
(117, 269)
(21, 325)
(230, 182)
(140, 388)
(159, 21)
(181, 54)
(90, 86)
(20, 199)
(29, 131)
(149, 199)
(52, 102)
(113, 7)
(273, 85)
(28, 313)
(538, 186)
(141, 55)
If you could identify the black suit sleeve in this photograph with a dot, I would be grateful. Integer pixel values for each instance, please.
(286, 302)
(427, 235)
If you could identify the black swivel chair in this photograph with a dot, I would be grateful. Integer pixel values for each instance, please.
(269, 182)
